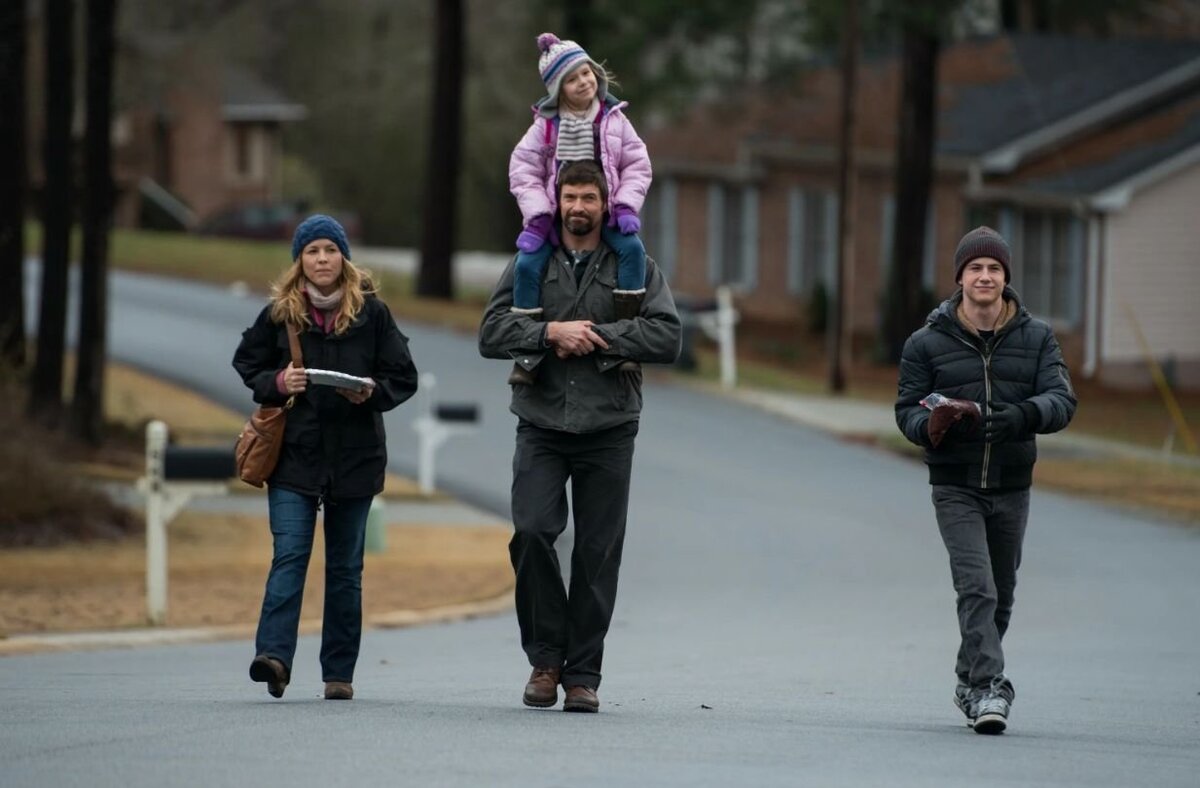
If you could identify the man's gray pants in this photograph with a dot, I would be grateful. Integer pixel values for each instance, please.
(560, 627)
(983, 531)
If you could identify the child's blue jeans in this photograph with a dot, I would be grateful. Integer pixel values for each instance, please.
(531, 266)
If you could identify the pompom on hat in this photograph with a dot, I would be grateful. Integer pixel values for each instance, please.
(320, 226)
(558, 59)
(982, 242)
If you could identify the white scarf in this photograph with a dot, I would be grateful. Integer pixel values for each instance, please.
(326, 303)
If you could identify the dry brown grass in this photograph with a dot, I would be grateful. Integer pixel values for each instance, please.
(71, 560)
(218, 565)
(1170, 490)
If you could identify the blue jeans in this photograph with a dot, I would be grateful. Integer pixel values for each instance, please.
(531, 266)
(293, 522)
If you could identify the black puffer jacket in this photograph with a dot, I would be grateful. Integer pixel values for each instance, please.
(331, 446)
(1021, 363)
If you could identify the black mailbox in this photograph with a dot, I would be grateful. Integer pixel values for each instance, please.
(462, 412)
(198, 463)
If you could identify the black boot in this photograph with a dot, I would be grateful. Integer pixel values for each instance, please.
(628, 305)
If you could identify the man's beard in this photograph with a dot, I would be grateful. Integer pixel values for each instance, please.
(579, 225)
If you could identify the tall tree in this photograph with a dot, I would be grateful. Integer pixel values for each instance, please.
(577, 21)
(839, 336)
(13, 175)
(906, 302)
(45, 396)
(436, 278)
(87, 405)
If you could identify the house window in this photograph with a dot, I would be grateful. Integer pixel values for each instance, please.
(1051, 257)
(812, 239)
(660, 233)
(733, 235)
(929, 255)
(241, 149)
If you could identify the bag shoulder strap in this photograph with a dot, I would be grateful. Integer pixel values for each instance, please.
(294, 346)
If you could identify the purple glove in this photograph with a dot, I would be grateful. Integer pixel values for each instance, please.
(534, 234)
(627, 219)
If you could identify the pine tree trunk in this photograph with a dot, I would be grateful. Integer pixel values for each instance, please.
(87, 405)
(45, 396)
(905, 303)
(15, 179)
(441, 187)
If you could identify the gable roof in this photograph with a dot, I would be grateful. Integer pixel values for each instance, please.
(1058, 86)
(1059, 116)
(246, 97)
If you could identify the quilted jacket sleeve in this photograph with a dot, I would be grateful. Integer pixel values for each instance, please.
(528, 174)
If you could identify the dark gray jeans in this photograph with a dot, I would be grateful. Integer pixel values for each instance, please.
(560, 627)
(983, 531)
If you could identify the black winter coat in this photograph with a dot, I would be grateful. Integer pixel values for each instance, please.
(1021, 363)
(331, 447)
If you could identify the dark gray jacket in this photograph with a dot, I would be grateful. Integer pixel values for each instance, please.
(581, 393)
(1021, 363)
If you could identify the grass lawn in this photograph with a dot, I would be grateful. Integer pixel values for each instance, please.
(218, 561)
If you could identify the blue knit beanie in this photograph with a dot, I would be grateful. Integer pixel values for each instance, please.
(320, 226)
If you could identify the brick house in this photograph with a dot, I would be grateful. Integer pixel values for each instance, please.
(192, 134)
(205, 138)
(1084, 153)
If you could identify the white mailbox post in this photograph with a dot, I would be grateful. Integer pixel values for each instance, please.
(173, 476)
(434, 425)
(719, 325)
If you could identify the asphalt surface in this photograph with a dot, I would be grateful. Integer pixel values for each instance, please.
(785, 618)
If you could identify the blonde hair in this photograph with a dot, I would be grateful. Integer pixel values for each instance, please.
(289, 305)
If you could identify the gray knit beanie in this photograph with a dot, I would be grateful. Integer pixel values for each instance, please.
(982, 242)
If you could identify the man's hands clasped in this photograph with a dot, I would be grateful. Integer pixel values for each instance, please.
(574, 338)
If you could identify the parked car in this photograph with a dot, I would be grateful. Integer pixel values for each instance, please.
(269, 221)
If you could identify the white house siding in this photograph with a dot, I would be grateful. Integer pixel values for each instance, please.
(1152, 264)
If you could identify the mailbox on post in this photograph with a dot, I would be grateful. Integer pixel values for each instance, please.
(434, 426)
(173, 475)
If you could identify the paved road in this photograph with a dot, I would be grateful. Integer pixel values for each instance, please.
(785, 618)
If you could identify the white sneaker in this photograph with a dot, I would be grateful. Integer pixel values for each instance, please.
(991, 710)
(964, 701)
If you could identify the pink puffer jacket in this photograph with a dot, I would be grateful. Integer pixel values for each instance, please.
(623, 156)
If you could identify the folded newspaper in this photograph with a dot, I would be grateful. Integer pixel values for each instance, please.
(328, 377)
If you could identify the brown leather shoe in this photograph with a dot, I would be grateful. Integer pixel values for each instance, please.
(581, 698)
(542, 689)
(338, 690)
(272, 671)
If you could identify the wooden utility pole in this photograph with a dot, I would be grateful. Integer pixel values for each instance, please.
(839, 334)
(436, 277)
(13, 173)
(45, 394)
(905, 306)
(87, 405)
